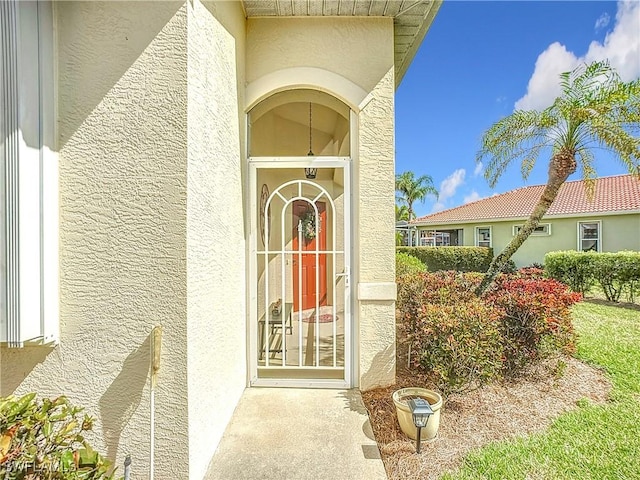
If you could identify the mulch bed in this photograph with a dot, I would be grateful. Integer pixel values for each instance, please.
(472, 420)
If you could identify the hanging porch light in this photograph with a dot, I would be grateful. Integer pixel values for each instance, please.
(310, 172)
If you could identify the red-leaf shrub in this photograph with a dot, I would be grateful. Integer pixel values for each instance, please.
(536, 322)
(459, 344)
(441, 288)
(530, 272)
(453, 334)
(463, 341)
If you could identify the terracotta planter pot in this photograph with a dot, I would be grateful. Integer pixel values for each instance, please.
(401, 400)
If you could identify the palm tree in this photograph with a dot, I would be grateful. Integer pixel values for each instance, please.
(411, 189)
(594, 110)
(402, 213)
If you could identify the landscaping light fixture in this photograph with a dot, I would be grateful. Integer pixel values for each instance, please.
(310, 172)
(420, 411)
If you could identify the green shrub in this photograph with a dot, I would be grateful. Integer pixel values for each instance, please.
(454, 335)
(43, 440)
(537, 321)
(509, 267)
(614, 272)
(408, 264)
(461, 259)
(571, 267)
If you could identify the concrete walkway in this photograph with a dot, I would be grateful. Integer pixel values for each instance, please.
(298, 434)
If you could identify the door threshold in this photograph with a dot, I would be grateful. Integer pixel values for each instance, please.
(300, 383)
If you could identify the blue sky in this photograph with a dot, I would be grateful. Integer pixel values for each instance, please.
(479, 60)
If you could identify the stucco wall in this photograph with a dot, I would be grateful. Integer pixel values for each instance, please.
(355, 48)
(216, 330)
(152, 228)
(123, 158)
(619, 232)
(375, 240)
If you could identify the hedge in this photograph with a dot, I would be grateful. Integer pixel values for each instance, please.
(614, 272)
(460, 259)
(408, 264)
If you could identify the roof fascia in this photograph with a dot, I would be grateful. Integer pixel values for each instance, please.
(417, 41)
(524, 219)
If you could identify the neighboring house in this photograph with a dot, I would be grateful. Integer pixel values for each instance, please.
(608, 223)
(223, 169)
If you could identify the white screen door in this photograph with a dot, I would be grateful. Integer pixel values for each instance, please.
(300, 304)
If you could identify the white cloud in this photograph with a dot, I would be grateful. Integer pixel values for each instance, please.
(448, 189)
(621, 46)
(544, 85)
(450, 184)
(437, 207)
(472, 197)
(478, 170)
(603, 21)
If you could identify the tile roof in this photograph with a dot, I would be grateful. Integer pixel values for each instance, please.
(613, 194)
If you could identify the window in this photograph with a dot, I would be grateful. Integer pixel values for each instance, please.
(427, 239)
(589, 236)
(29, 177)
(483, 236)
(541, 230)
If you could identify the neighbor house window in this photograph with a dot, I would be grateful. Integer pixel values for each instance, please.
(426, 238)
(483, 236)
(589, 234)
(542, 229)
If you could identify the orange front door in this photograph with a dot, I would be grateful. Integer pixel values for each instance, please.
(304, 280)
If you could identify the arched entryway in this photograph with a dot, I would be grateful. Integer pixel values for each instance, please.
(300, 303)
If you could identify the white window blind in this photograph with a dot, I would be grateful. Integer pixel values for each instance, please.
(29, 178)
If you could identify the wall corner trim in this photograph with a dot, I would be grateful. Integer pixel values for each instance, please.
(377, 291)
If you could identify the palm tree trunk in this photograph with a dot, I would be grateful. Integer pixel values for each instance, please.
(561, 166)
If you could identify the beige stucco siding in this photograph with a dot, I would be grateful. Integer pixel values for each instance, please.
(355, 48)
(122, 81)
(619, 232)
(216, 297)
(375, 242)
(152, 229)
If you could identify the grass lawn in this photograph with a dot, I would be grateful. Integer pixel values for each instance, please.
(595, 441)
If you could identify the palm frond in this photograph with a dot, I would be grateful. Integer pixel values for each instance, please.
(585, 159)
(521, 134)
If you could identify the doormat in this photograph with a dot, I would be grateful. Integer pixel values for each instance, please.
(324, 318)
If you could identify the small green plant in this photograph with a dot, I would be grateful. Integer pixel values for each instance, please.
(408, 264)
(509, 267)
(44, 440)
